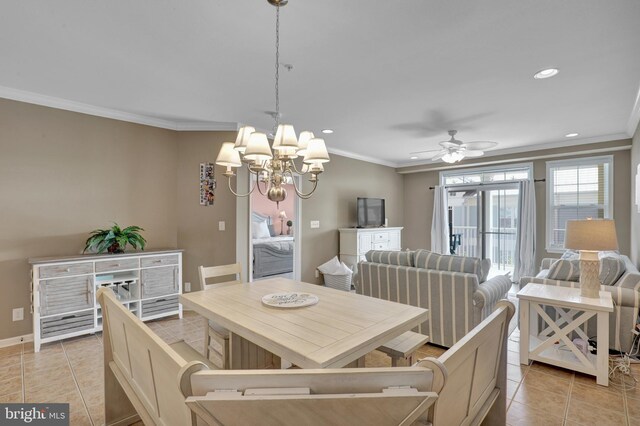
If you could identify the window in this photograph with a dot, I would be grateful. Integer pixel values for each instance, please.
(484, 175)
(577, 189)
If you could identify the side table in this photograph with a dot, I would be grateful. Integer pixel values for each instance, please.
(552, 345)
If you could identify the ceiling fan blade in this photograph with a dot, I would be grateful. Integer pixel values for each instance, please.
(438, 155)
(481, 145)
(424, 152)
(449, 144)
(473, 153)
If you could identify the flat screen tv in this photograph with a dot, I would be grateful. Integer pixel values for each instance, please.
(370, 212)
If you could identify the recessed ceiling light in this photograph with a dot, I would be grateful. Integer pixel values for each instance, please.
(414, 157)
(571, 135)
(549, 72)
(327, 131)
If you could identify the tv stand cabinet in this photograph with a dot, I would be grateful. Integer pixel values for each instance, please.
(356, 242)
(63, 290)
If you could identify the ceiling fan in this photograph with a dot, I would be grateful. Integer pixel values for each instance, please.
(455, 150)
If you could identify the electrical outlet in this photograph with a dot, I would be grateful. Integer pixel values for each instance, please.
(221, 225)
(187, 287)
(18, 314)
(315, 224)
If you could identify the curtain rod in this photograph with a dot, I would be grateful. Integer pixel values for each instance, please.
(492, 183)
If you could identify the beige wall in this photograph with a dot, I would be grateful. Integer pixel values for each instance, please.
(334, 205)
(63, 174)
(635, 215)
(418, 206)
(198, 232)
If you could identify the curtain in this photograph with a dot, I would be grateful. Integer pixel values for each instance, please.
(440, 224)
(526, 242)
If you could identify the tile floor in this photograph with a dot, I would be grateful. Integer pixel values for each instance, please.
(71, 371)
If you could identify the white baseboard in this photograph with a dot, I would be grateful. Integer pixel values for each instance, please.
(16, 340)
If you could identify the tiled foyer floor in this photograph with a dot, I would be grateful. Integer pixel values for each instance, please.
(71, 371)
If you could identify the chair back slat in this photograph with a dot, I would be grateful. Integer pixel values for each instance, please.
(205, 273)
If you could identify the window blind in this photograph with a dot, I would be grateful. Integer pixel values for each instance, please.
(577, 189)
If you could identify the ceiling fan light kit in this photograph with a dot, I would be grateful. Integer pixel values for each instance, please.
(455, 150)
(273, 166)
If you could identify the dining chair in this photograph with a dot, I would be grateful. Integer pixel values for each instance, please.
(216, 337)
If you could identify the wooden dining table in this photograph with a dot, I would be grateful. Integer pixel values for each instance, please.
(336, 332)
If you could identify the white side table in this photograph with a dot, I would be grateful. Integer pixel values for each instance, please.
(553, 345)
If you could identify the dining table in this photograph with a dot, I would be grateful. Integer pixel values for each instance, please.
(337, 331)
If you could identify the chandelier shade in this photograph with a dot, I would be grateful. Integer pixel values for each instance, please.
(243, 138)
(258, 148)
(316, 152)
(285, 139)
(303, 142)
(228, 157)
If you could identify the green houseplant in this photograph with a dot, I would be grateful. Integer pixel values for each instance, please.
(115, 239)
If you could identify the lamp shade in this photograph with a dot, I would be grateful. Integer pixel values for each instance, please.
(303, 142)
(316, 152)
(285, 139)
(243, 138)
(282, 214)
(593, 235)
(228, 156)
(258, 148)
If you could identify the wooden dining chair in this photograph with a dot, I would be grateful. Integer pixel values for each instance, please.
(216, 337)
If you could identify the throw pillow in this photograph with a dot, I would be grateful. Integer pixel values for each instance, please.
(260, 230)
(565, 270)
(400, 258)
(485, 266)
(611, 268)
(429, 260)
(272, 230)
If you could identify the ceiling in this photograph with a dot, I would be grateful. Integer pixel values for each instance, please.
(389, 77)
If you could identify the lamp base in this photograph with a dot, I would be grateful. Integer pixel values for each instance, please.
(589, 274)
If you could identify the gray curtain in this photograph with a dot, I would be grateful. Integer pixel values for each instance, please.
(439, 224)
(525, 264)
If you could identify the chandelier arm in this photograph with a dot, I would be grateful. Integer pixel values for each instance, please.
(300, 193)
(235, 193)
(295, 169)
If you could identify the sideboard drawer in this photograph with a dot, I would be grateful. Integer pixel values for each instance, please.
(381, 236)
(381, 246)
(162, 305)
(66, 270)
(146, 262)
(116, 265)
(66, 324)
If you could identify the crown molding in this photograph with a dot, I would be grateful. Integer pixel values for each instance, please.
(634, 118)
(68, 105)
(524, 149)
(365, 158)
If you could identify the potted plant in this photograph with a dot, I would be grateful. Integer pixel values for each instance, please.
(115, 239)
(289, 225)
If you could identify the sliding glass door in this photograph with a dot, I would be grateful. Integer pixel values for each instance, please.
(485, 222)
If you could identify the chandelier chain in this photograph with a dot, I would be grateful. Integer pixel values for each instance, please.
(277, 117)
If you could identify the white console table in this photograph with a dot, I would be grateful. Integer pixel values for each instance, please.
(63, 290)
(356, 242)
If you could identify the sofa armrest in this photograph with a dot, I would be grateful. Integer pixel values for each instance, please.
(630, 281)
(546, 262)
(490, 291)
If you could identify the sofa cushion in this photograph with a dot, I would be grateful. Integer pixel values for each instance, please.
(400, 258)
(611, 268)
(442, 262)
(565, 270)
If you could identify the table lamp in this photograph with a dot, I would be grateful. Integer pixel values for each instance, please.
(590, 236)
(283, 216)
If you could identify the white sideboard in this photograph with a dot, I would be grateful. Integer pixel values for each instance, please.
(355, 242)
(63, 290)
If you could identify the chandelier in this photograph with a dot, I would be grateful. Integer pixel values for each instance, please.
(273, 169)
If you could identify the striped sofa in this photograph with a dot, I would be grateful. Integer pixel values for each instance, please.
(625, 292)
(452, 288)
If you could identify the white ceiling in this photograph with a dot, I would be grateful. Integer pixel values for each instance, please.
(389, 77)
